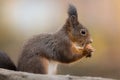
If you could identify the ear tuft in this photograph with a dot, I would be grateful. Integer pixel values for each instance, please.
(72, 11)
(73, 17)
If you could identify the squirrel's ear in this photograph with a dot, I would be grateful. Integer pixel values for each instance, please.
(72, 21)
(72, 15)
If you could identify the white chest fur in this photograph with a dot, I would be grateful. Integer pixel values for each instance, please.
(52, 67)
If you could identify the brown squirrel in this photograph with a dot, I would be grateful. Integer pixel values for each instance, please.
(42, 53)
(68, 45)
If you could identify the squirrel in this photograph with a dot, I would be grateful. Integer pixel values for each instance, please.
(69, 44)
(43, 52)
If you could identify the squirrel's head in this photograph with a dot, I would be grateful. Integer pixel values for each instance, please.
(77, 32)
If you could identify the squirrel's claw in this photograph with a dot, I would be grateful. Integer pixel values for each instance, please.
(89, 50)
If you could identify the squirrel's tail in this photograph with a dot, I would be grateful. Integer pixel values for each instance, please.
(6, 62)
(72, 11)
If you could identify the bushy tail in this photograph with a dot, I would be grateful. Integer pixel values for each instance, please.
(72, 10)
(6, 62)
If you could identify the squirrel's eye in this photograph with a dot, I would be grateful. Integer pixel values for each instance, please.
(83, 32)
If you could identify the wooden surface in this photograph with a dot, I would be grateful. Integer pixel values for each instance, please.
(14, 75)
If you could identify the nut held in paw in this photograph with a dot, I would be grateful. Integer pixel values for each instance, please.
(90, 50)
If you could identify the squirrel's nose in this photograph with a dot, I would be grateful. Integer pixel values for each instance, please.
(90, 40)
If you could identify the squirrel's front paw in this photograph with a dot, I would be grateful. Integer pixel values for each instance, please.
(88, 50)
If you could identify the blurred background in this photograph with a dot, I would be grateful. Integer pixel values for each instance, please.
(21, 19)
